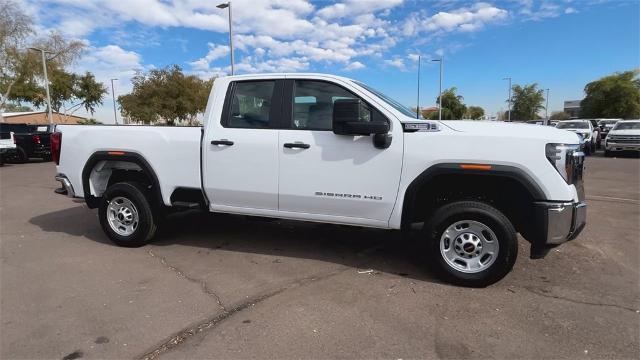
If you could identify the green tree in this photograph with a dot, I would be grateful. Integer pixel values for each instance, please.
(91, 121)
(21, 75)
(474, 113)
(526, 100)
(452, 106)
(613, 96)
(16, 108)
(165, 95)
(559, 115)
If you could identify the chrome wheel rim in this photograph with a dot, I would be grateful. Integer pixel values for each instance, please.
(122, 216)
(469, 246)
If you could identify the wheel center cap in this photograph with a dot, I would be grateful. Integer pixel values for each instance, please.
(469, 247)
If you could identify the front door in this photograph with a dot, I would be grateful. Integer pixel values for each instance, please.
(240, 164)
(335, 178)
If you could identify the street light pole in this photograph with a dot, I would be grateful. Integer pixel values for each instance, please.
(46, 79)
(418, 101)
(224, 6)
(546, 110)
(441, 61)
(509, 78)
(113, 96)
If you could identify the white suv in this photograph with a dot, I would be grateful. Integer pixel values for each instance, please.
(624, 136)
(585, 130)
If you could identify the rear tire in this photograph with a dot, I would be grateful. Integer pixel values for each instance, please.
(21, 156)
(126, 215)
(470, 243)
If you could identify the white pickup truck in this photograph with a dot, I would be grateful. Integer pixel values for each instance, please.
(329, 149)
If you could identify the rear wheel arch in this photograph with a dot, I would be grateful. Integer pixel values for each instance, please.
(122, 166)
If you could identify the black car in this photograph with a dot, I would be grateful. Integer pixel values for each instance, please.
(32, 141)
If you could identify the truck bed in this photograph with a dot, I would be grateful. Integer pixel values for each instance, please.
(172, 152)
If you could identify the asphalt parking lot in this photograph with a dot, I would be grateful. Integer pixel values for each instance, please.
(219, 286)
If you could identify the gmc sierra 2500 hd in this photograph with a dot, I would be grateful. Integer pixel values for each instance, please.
(329, 149)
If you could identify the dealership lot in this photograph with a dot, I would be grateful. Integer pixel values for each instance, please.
(230, 287)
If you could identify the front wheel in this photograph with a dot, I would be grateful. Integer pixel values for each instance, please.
(126, 215)
(471, 243)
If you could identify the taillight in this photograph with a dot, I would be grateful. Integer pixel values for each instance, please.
(35, 138)
(56, 145)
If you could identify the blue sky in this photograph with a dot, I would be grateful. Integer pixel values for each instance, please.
(561, 44)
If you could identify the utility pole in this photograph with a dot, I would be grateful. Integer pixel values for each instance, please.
(441, 61)
(418, 102)
(225, 6)
(509, 78)
(113, 96)
(46, 79)
(546, 110)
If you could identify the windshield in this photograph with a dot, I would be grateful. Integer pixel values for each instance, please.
(396, 105)
(608, 122)
(572, 125)
(621, 125)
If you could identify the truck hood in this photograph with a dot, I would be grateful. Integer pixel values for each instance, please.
(514, 130)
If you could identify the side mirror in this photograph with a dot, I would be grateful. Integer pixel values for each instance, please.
(346, 119)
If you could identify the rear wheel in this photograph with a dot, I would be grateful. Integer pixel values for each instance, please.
(21, 155)
(471, 243)
(126, 215)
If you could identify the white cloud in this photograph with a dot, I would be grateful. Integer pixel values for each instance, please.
(351, 7)
(106, 63)
(397, 63)
(570, 10)
(465, 19)
(356, 65)
(215, 52)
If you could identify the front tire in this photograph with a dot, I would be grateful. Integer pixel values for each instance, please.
(470, 243)
(126, 215)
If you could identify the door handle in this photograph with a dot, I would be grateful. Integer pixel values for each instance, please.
(296, 145)
(222, 142)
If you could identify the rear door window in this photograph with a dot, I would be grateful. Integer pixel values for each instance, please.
(251, 104)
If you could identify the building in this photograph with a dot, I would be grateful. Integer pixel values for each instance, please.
(427, 111)
(572, 107)
(39, 117)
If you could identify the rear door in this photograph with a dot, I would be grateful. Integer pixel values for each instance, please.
(333, 177)
(240, 149)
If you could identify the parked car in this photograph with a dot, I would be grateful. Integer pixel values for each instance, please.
(606, 125)
(583, 128)
(329, 149)
(32, 141)
(624, 136)
(7, 147)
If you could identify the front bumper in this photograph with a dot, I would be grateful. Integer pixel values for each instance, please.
(66, 186)
(559, 222)
(613, 146)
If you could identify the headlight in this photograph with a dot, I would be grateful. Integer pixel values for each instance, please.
(559, 155)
